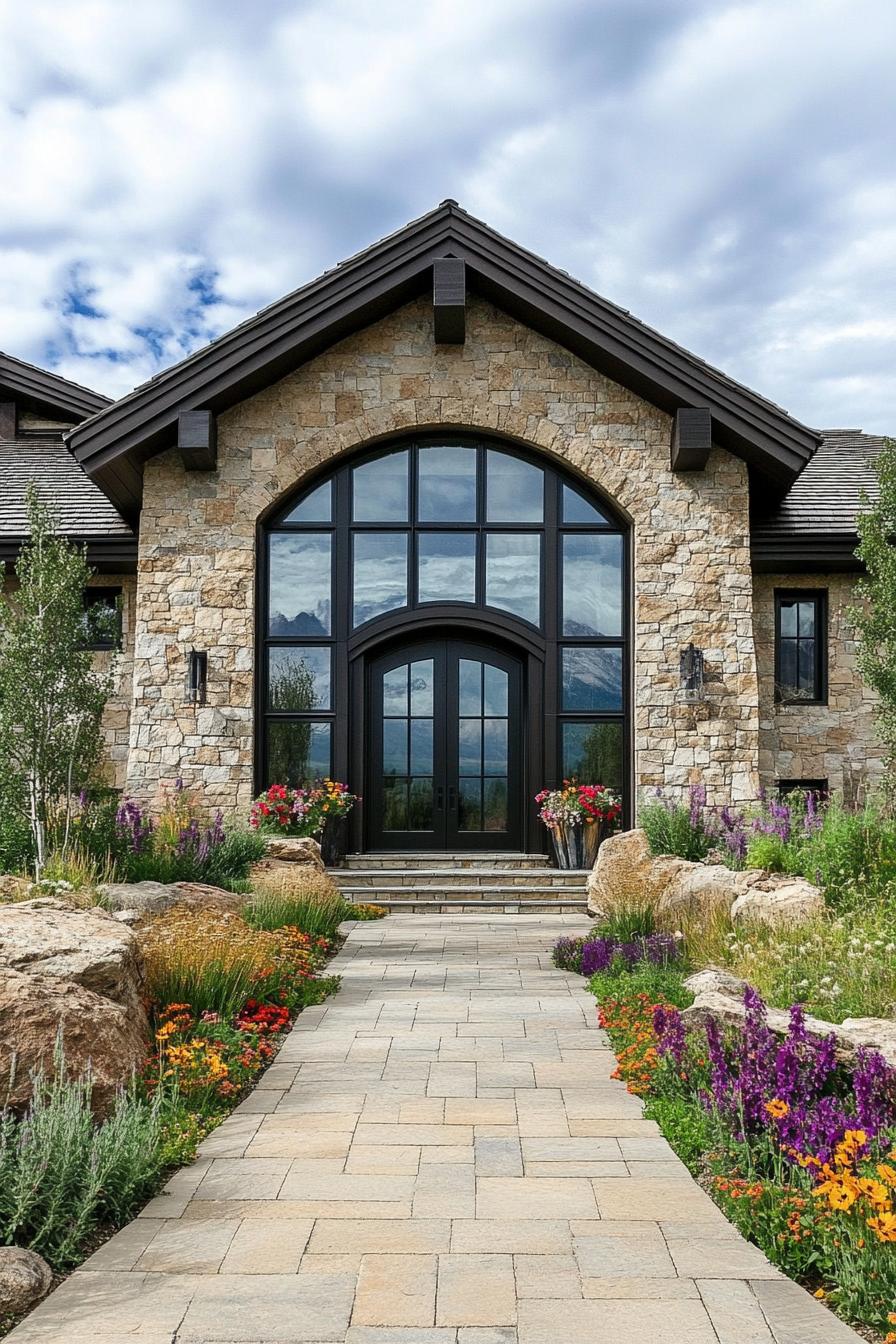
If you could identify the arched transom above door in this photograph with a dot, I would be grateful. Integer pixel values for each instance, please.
(438, 531)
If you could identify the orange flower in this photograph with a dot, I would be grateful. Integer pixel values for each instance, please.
(777, 1108)
(884, 1227)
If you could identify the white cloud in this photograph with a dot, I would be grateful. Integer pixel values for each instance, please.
(722, 169)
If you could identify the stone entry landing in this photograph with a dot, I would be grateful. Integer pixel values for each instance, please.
(438, 1156)
(469, 883)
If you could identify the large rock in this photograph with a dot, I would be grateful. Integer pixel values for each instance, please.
(874, 1033)
(778, 899)
(712, 979)
(88, 947)
(626, 874)
(294, 849)
(97, 1033)
(699, 889)
(25, 1277)
(152, 898)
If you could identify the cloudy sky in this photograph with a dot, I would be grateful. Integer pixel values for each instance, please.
(725, 170)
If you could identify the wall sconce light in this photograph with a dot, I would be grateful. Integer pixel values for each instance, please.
(197, 676)
(691, 670)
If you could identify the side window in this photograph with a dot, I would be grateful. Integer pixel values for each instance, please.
(817, 786)
(102, 618)
(801, 655)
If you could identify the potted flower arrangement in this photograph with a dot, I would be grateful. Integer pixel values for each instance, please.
(319, 811)
(578, 817)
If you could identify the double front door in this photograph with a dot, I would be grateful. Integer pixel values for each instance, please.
(444, 722)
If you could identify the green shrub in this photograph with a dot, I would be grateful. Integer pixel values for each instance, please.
(852, 857)
(773, 853)
(627, 923)
(659, 983)
(317, 915)
(674, 827)
(62, 1176)
(685, 1124)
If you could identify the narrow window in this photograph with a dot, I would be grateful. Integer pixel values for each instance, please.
(801, 647)
(102, 618)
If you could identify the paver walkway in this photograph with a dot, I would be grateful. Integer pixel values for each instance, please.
(438, 1156)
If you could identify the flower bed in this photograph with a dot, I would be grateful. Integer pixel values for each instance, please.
(796, 1147)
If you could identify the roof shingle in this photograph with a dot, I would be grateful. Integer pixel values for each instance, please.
(81, 508)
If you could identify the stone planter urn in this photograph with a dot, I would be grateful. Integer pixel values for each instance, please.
(575, 846)
(334, 841)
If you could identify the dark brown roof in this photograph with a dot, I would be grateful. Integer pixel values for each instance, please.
(82, 510)
(816, 519)
(27, 382)
(114, 444)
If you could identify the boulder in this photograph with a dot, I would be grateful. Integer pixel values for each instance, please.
(87, 947)
(14, 888)
(25, 1277)
(774, 898)
(874, 1033)
(294, 849)
(626, 874)
(698, 889)
(712, 979)
(152, 898)
(97, 1033)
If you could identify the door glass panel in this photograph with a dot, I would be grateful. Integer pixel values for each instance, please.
(314, 508)
(495, 690)
(299, 677)
(381, 574)
(395, 746)
(469, 805)
(513, 573)
(395, 690)
(577, 509)
(591, 678)
(420, 813)
(470, 686)
(395, 804)
(298, 751)
(514, 489)
(495, 805)
(422, 686)
(380, 490)
(494, 747)
(446, 489)
(592, 753)
(300, 582)
(469, 751)
(421, 746)
(592, 584)
(446, 567)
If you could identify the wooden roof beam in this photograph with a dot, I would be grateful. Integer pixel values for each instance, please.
(691, 438)
(197, 440)
(449, 297)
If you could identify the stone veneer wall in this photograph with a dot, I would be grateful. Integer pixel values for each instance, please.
(692, 576)
(836, 741)
(116, 720)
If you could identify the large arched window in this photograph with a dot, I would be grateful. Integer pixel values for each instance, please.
(421, 529)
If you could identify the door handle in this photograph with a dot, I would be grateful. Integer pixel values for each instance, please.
(440, 798)
(452, 798)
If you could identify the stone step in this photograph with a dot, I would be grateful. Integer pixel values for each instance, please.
(463, 905)
(439, 859)
(459, 877)
(471, 894)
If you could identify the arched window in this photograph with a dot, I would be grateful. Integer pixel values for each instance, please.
(437, 527)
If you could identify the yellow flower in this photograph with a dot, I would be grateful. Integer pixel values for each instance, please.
(777, 1108)
(884, 1228)
(887, 1174)
(819, 1293)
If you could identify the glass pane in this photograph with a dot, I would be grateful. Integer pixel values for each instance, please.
(469, 805)
(514, 490)
(787, 666)
(395, 746)
(513, 573)
(381, 574)
(591, 679)
(494, 756)
(469, 746)
(395, 805)
(807, 618)
(446, 491)
(446, 567)
(298, 751)
(421, 746)
(300, 581)
(592, 585)
(495, 690)
(592, 753)
(577, 509)
(314, 508)
(807, 668)
(299, 677)
(420, 810)
(495, 809)
(422, 686)
(380, 490)
(395, 690)
(470, 676)
(788, 619)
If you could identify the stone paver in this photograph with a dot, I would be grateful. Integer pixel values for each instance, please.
(438, 1156)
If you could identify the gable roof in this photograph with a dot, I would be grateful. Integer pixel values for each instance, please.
(114, 444)
(29, 383)
(814, 525)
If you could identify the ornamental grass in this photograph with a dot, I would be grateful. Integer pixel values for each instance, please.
(307, 899)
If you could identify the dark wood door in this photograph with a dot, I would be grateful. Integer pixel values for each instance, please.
(444, 724)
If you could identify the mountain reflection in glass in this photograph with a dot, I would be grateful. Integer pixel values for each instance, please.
(592, 584)
(513, 573)
(482, 746)
(299, 677)
(446, 567)
(380, 490)
(300, 581)
(407, 752)
(380, 580)
(591, 678)
(446, 485)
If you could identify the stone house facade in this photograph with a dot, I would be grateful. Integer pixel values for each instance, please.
(446, 471)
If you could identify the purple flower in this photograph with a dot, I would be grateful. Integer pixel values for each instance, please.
(670, 1033)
